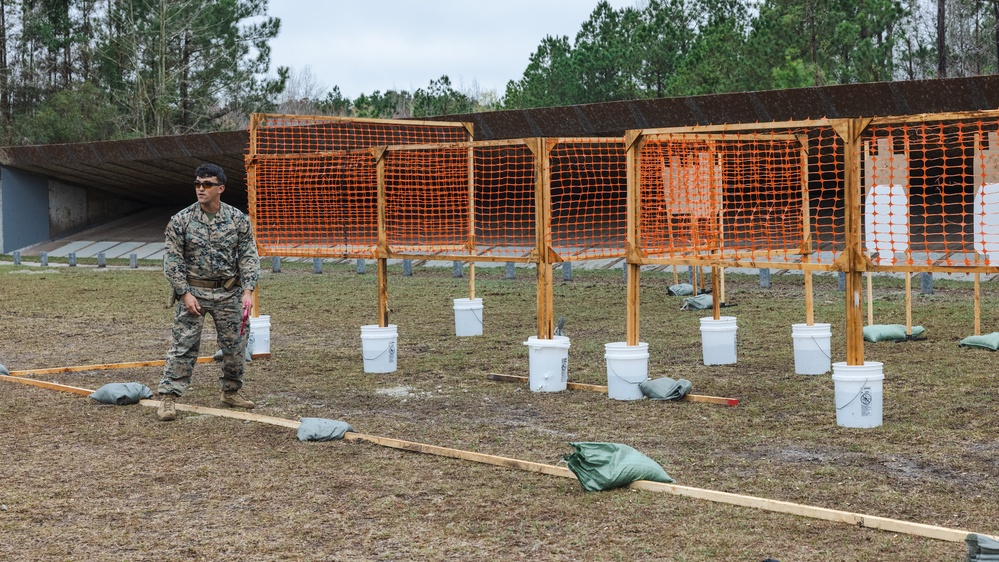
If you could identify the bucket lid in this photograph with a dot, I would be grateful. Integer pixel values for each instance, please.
(721, 320)
(557, 341)
(623, 346)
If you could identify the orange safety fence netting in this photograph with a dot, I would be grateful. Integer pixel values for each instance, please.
(589, 198)
(313, 182)
(931, 194)
(742, 197)
(427, 201)
(505, 218)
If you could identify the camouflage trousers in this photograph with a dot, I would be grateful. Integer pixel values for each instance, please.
(226, 311)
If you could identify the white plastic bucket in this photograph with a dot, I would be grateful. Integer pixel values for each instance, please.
(811, 348)
(858, 394)
(468, 317)
(378, 348)
(549, 361)
(718, 340)
(627, 367)
(260, 331)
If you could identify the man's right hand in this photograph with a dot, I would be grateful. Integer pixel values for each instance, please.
(191, 304)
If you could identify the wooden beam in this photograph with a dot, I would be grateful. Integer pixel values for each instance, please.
(48, 385)
(834, 515)
(806, 231)
(225, 413)
(715, 292)
(383, 306)
(603, 389)
(850, 131)
(978, 305)
(543, 221)
(908, 305)
(100, 367)
(633, 299)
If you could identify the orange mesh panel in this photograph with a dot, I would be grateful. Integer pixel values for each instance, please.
(931, 193)
(740, 196)
(504, 201)
(319, 207)
(427, 201)
(589, 190)
(313, 183)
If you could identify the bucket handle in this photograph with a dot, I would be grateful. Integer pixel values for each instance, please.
(861, 391)
(383, 352)
(614, 372)
(816, 342)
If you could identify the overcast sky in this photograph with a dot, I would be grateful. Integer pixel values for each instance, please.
(367, 45)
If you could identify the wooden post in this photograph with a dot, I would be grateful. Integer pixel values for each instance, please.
(809, 299)
(870, 301)
(471, 220)
(383, 309)
(850, 130)
(806, 231)
(382, 251)
(978, 304)
(471, 280)
(715, 289)
(632, 328)
(908, 304)
(251, 193)
(543, 221)
(633, 268)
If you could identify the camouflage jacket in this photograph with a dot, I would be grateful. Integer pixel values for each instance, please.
(219, 249)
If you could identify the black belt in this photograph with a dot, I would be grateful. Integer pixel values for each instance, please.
(213, 283)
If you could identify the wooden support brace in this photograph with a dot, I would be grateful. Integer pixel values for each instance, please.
(101, 367)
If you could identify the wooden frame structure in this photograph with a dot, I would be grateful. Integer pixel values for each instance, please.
(827, 163)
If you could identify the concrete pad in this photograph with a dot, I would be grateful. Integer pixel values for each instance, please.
(122, 250)
(64, 251)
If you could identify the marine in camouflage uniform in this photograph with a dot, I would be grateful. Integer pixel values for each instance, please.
(212, 264)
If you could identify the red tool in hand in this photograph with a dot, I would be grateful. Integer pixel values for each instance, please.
(246, 314)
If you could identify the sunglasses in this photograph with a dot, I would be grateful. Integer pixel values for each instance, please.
(205, 184)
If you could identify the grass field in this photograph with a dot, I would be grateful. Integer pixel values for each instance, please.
(87, 482)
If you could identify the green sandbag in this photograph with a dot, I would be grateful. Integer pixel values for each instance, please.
(122, 393)
(605, 466)
(665, 388)
(700, 302)
(986, 341)
(891, 332)
(981, 548)
(680, 290)
(322, 429)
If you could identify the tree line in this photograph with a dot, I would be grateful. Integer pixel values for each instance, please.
(79, 70)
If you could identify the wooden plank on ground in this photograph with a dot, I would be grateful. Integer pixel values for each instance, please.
(103, 367)
(598, 388)
(48, 385)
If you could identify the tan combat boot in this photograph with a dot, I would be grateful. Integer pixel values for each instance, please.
(168, 408)
(232, 398)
